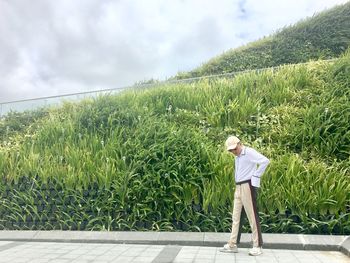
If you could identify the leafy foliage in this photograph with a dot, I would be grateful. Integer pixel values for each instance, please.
(154, 159)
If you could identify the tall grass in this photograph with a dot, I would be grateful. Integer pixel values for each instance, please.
(154, 159)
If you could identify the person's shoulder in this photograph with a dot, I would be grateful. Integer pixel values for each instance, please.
(251, 150)
(247, 150)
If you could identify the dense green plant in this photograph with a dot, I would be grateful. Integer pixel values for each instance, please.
(154, 158)
(18, 122)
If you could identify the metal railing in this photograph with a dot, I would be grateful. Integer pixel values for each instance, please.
(34, 103)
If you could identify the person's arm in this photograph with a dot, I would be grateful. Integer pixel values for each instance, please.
(262, 163)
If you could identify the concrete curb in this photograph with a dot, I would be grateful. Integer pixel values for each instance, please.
(274, 241)
(345, 246)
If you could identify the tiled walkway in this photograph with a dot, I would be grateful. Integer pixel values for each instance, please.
(39, 252)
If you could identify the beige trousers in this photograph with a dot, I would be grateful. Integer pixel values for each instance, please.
(245, 196)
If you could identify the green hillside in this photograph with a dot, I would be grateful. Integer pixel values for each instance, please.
(325, 35)
(153, 159)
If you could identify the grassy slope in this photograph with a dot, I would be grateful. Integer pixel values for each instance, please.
(153, 159)
(326, 35)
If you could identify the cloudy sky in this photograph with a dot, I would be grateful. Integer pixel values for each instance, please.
(67, 46)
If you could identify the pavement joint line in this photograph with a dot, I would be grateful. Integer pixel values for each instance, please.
(345, 246)
(11, 245)
(341, 242)
(302, 240)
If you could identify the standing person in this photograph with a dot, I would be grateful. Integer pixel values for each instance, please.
(249, 167)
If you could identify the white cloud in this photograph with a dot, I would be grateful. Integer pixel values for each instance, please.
(56, 47)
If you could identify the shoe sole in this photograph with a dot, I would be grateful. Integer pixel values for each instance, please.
(255, 254)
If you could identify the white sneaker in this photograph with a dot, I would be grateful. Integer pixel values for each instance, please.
(255, 251)
(229, 249)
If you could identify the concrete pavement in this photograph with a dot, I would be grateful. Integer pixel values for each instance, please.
(59, 252)
(96, 246)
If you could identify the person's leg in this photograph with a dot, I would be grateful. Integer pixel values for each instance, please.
(253, 191)
(236, 214)
(241, 223)
(249, 203)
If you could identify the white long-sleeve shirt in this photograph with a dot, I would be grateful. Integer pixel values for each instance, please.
(250, 165)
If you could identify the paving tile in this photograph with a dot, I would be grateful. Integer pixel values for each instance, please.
(184, 260)
(41, 252)
(124, 259)
(143, 259)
